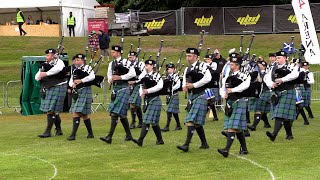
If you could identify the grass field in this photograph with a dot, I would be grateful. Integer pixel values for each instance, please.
(24, 156)
(94, 159)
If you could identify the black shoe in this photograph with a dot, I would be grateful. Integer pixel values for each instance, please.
(132, 126)
(58, 132)
(128, 138)
(165, 129)
(270, 135)
(184, 148)
(137, 141)
(247, 134)
(139, 126)
(224, 133)
(71, 138)
(289, 137)
(44, 135)
(204, 146)
(106, 139)
(178, 128)
(215, 119)
(90, 136)
(311, 116)
(252, 128)
(306, 123)
(24, 34)
(243, 152)
(159, 142)
(267, 126)
(224, 152)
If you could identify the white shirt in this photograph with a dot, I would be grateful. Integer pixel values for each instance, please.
(202, 69)
(310, 78)
(291, 76)
(212, 65)
(241, 87)
(129, 75)
(88, 78)
(58, 65)
(176, 82)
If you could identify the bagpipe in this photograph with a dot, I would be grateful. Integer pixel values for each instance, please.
(53, 80)
(80, 73)
(250, 68)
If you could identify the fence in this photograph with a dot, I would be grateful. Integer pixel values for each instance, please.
(10, 95)
(225, 20)
(13, 92)
(2, 96)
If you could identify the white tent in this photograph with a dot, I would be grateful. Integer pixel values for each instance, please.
(57, 10)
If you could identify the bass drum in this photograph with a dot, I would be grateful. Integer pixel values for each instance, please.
(299, 98)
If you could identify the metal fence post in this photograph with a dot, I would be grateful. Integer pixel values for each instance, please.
(2, 96)
(13, 95)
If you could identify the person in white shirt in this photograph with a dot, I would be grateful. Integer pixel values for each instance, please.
(152, 83)
(235, 122)
(195, 77)
(307, 85)
(279, 80)
(82, 95)
(173, 99)
(135, 99)
(53, 91)
(119, 73)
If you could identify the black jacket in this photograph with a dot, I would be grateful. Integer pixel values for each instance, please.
(104, 41)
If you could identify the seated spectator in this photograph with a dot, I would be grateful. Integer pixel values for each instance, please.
(29, 20)
(49, 21)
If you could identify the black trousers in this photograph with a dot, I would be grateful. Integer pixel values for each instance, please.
(20, 28)
(71, 28)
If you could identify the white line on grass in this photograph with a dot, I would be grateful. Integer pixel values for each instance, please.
(43, 160)
(256, 164)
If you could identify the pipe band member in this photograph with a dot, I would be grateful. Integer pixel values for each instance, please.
(152, 83)
(82, 95)
(283, 107)
(195, 77)
(119, 72)
(172, 100)
(53, 91)
(135, 99)
(235, 122)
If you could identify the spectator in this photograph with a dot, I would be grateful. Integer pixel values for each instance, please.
(49, 21)
(104, 41)
(71, 23)
(217, 58)
(20, 21)
(29, 21)
(93, 41)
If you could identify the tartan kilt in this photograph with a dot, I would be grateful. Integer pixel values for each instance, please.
(173, 105)
(252, 104)
(83, 103)
(307, 97)
(152, 114)
(263, 103)
(120, 105)
(198, 111)
(54, 99)
(216, 93)
(286, 107)
(135, 98)
(238, 119)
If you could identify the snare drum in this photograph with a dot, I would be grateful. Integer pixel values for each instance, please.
(209, 94)
(299, 98)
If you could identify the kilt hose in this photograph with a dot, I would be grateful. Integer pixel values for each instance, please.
(135, 98)
(198, 111)
(263, 103)
(173, 106)
(120, 104)
(286, 107)
(307, 97)
(238, 119)
(53, 102)
(152, 114)
(83, 103)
